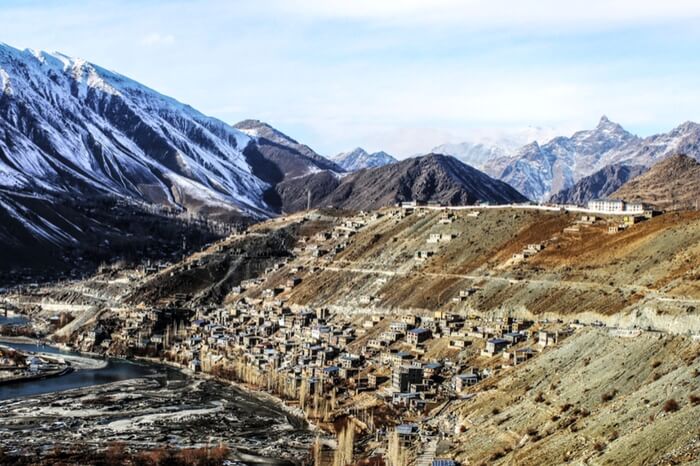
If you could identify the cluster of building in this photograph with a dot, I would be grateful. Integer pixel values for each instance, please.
(307, 346)
(309, 350)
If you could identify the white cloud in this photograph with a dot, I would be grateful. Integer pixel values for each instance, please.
(495, 13)
(402, 76)
(155, 39)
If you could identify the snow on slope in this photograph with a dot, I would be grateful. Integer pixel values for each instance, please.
(289, 157)
(539, 171)
(359, 159)
(68, 126)
(477, 154)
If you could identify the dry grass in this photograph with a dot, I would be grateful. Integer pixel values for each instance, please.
(671, 406)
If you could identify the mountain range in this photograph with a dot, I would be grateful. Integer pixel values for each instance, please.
(541, 171)
(480, 155)
(73, 133)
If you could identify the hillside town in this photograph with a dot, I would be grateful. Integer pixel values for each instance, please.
(387, 375)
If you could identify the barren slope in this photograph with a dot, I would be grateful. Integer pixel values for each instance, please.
(670, 185)
(596, 399)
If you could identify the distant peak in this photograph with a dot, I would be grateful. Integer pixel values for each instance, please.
(606, 123)
(687, 126)
(251, 123)
(359, 158)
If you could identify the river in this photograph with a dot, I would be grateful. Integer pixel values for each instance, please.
(13, 320)
(116, 370)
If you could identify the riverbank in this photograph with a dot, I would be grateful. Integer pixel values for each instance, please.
(197, 412)
(296, 415)
(39, 376)
(21, 340)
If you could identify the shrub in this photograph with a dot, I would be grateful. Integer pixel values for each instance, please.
(565, 407)
(694, 399)
(599, 446)
(655, 364)
(539, 398)
(608, 396)
(614, 435)
(495, 411)
(671, 406)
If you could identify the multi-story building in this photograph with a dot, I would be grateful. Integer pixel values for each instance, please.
(404, 376)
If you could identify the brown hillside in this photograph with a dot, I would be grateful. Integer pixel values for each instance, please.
(673, 184)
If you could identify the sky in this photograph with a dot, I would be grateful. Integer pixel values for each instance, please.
(396, 75)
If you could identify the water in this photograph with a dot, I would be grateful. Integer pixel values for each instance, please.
(13, 320)
(115, 371)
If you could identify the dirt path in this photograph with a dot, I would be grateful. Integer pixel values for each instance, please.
(583, 286)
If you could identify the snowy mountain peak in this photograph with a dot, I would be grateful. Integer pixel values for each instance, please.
(686, 127)
(539, 171)
(604, 121)
(605, 125)
(563, 161)
(359, 159)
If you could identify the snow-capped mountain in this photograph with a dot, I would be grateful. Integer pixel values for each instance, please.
(479, 155)
(684, 139)
(275, 156)
(69, 126)
(541, 170)
(359, 159)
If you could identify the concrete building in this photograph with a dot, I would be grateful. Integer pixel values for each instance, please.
(404, 376)
(418, 335)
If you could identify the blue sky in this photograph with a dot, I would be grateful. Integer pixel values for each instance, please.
(401, 76)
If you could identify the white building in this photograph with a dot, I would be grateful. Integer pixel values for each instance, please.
(607, 205)
(615, 206)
